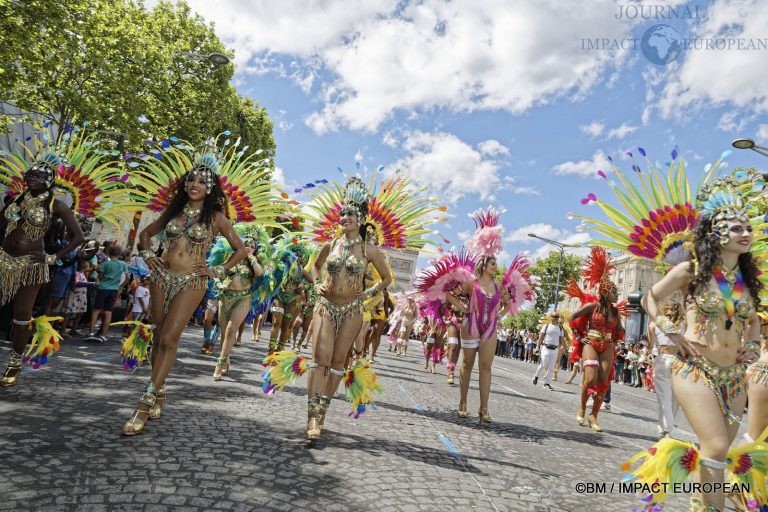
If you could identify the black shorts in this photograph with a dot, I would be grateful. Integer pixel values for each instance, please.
(105, 299)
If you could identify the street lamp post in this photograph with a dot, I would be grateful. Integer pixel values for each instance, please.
(562, 248)
(217, 59)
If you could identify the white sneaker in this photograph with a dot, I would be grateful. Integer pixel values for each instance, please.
(605, 407)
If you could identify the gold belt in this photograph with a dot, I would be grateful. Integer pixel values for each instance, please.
(595, 334)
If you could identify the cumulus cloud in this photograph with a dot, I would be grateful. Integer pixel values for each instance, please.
(584, 168)
(762, 133)
(542, 249)
(278, 176)
(367, 60)
(621, 131)
(453, 168)
(712, 77)
(593, 129)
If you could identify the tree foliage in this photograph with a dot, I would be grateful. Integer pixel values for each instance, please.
(119, 66)
(546, 270)
(526, 319)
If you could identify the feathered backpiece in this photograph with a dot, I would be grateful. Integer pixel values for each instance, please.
(486, 241)
(654, 216)
(83, 167)
(222, 250)
(445, 274)
(597, 271)
(398, 211)
(245, 180)
(517, 282)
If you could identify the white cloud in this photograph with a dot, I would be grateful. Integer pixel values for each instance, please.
(712, 77)
(278, 176)
(593, 129)
(621, 131)
(567, 238)
(584, 168)
(454, 169)
(520, 234)
(368, 59)
(492, 148)
(762, 133)
(359, 155)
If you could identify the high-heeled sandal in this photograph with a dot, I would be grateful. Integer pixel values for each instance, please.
(483, 416)
(135, 425)
(222, 368)
(580, 417)
(156, 410)
(462, 410)
(593, 424)
(313, 417)
(11, 375)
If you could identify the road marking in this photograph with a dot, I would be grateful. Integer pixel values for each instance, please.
(515, 392)
(444, 439)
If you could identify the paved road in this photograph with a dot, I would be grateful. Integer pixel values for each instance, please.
(226, 446)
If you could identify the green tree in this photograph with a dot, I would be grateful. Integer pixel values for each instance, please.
(546, 270)
(526, 319)
(113, 62)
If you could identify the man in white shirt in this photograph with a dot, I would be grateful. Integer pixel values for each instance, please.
(140, 308)
(550, 339)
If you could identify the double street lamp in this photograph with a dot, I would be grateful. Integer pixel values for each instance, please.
(562, 248)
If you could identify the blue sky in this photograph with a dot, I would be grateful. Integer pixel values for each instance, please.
(497, 101)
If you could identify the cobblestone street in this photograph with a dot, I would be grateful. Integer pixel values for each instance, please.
(225, 445)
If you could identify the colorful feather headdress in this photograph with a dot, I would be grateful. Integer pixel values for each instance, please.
(597, 271)
(653, 220)
(486, 241)
(398, 212)
(245, 180)
(722, 201)
(83, 166)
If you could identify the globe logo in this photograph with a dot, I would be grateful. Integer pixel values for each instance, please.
(660, 44)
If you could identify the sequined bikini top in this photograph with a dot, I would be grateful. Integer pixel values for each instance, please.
(711, 303)
(198, 234)
(35, 218)
(345, 259)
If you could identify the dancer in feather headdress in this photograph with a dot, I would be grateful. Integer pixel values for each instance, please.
(721, 287)
(293, 293)
(76, 164)
(190, 193)
(597, 326)
(446, 277)
(488, 298)
(341, 218)
(236, 288)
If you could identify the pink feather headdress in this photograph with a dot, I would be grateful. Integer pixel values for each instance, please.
(486, 241)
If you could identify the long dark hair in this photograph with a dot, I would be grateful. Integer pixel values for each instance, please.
(707, 248)
(364, 226)
(606, 308)
(214, 202)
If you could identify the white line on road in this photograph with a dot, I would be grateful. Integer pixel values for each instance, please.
(444, 439)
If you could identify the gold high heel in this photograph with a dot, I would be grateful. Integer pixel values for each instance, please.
(135, 426)
(450, 378)
(593, 424)
(462, 410)
(313, 417)
(580, 417)
(484, 416)
(13, 370)
(222, 368)
(156, 410)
